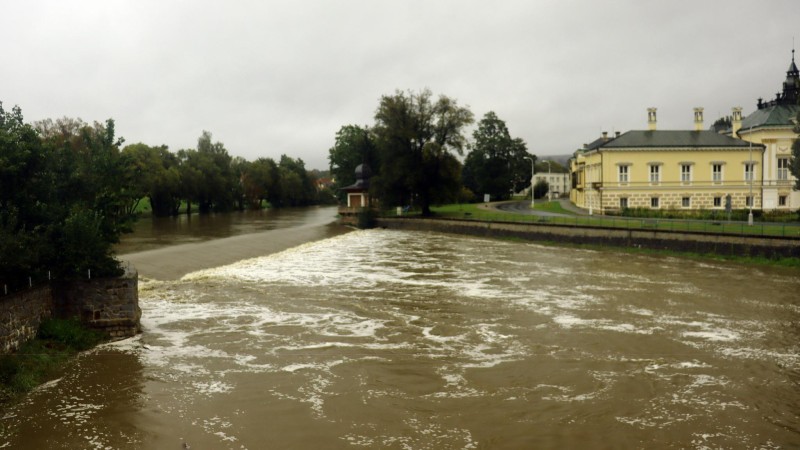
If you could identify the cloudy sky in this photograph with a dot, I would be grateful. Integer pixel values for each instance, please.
(270, 77)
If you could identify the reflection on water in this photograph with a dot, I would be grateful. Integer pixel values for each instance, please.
(388, 339)
(156, 232)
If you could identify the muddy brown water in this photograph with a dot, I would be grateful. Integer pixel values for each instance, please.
(392, 339)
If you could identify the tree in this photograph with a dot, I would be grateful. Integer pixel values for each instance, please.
(496, 163)
(208, 176)
(354, 146)
(260, 182)
(296, 186)
(156, 175)
(415, 137)
(540, 189)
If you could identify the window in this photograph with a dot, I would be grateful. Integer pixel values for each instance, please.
(623, 203)
(783, 168)
(623, 174)
(717, 202)
(748, 201)
(748, 172)
(716, 173)
(686, 173)
(655, 172)
(686, 202)
(654, 200)
(781, 200)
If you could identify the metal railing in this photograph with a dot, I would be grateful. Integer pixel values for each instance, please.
(723, 227)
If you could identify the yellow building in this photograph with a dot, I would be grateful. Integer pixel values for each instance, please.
(699, 169)
(667, 169)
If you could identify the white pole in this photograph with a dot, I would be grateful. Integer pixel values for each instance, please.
(90, 274)
(752, 173)
(531, 180)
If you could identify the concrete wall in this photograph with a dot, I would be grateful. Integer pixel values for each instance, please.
(107, 304)
(769, 247)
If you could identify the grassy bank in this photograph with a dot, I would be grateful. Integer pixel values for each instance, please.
(43, 358)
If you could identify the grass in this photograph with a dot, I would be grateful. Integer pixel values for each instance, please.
(41, 359)
(477, 211)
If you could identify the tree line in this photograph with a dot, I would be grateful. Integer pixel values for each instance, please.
(69, 190)
(413, 149)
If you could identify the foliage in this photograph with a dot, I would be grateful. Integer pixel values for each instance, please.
(540, 189)
(297, 188)
(496, 163)
(65, 198)
(354, 145)
(415, 137)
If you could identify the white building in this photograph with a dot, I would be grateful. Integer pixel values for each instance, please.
(559, 183)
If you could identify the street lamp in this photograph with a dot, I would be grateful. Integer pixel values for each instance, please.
(549, 188)
(752, 173)
(531, 159)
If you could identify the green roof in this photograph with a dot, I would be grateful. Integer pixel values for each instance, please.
(772, 116)
(659, 139)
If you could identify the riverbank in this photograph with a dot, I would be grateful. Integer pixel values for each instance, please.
(752, 248)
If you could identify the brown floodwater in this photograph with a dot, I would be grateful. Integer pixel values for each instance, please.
(415, 340)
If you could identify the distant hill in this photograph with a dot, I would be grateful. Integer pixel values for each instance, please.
(561, 159)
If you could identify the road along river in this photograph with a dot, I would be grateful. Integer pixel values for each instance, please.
(391, 339)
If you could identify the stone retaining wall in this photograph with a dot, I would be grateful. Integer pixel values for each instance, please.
(107, 304)
(21, 314)
(766, 246)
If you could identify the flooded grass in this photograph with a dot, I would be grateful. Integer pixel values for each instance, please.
(42, 358)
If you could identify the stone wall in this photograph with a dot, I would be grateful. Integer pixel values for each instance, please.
(720, 244)
(107, 304)
(21, 314)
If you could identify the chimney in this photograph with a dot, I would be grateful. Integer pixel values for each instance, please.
(736, 120)
(651, 119)
(605, 135)
(698, 119)
(617, 133)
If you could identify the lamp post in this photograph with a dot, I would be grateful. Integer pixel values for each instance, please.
(549, 188)
(531, 159)
(752, 173)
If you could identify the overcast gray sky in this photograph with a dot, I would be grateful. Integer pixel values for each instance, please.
(281, 77)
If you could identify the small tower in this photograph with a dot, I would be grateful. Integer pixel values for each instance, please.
(651, 119)
(698, 119)
(736, 120)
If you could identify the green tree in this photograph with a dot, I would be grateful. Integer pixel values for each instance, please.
(296, 185)
(496, 163)
(207, 175)
(354, 146)
(540, 189)
(156, 175)
(260, 182)
(415, 137)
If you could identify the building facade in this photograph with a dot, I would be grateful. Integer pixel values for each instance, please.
(746, 166)
(559, 183)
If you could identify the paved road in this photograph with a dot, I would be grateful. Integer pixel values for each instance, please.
(524, 207)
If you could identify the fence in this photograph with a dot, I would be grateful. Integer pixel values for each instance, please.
(724, 227)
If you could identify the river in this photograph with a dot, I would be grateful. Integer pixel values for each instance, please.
(417, 340)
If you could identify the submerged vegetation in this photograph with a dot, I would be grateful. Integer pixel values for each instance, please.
(42, 358)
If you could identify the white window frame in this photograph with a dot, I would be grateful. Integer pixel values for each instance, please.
(686, 201)
(623, 203)
(623, 174)
(748, 201)
(749, 172)
(655, 174)
(782, 200)
(655, 203)
(783, 169)
(686, 173)
(717, 201)
(717, 176)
